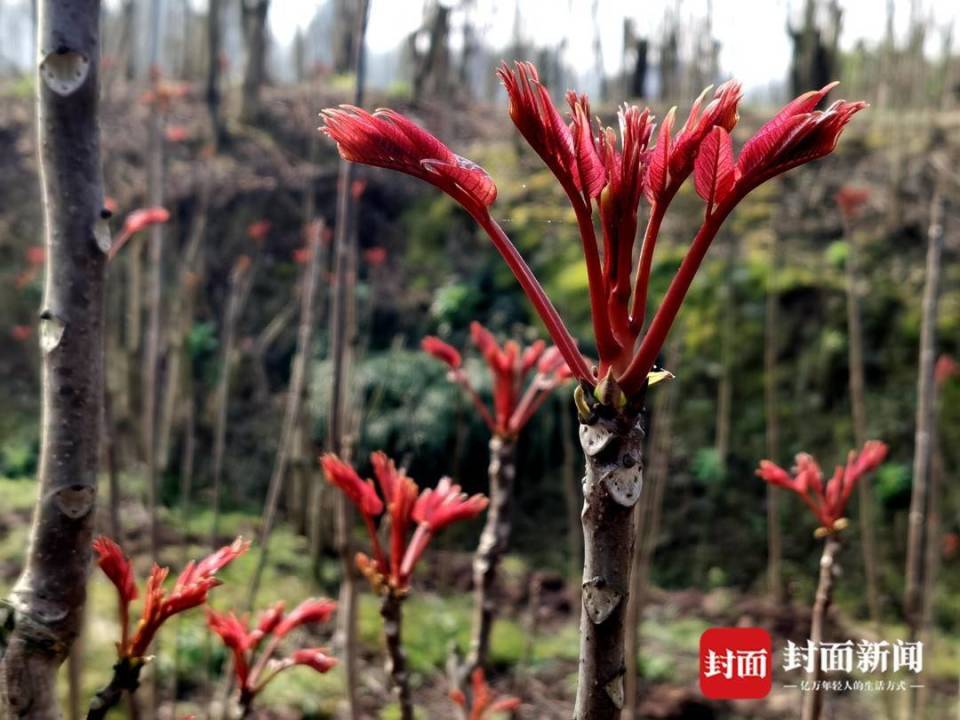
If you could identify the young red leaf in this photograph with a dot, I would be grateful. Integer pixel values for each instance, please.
(714, 171)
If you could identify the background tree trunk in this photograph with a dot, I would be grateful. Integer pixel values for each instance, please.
(813, 699)
(152, 351)
(218, 128)
(236, 299)
(858, 408)
(493, 544)
(913, 601)
(44, 610)
(254, 74)
(291, 418)
(341, 312)
(772, 408)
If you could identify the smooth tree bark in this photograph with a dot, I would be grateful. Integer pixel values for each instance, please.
(612, 441)
(923, 440)
(42, 614)
(813, 698)
(294, 404)
(494, 541)
(858, 409)
(772, 411)
(391, 611)
(342, 315)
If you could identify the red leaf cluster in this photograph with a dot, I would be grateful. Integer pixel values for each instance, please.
(253, 674)
(484, 703)
(407, 506)
(604, 176)
(189, 590)
(509, 365)
(826, 500)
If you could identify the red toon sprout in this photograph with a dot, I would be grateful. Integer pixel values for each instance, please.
(826, 500)
(851, 199)
(485, 705)
(176, 134)
(259, 230)
(429, 510)
(509, 368)
(189, 591)
(254, 674)
(605, 175)
(135, 222)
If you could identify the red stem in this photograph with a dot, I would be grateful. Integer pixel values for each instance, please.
(607, 346)
(463, 382)
(641, 286)
(534, 291)
(377, 550)
(633, 379)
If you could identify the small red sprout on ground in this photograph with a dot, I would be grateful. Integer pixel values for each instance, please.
(827, 500)
(135, 222)
(428, 511)
(509, 367)
(604, 175)
(485, 705)
(254, 674)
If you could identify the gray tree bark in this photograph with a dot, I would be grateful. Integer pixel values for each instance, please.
(43, 611)
(613, 444)
(494, 541)
(341, 314)
(813, 699)
(913, 601)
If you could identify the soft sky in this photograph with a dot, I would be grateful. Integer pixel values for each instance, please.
(754, 49)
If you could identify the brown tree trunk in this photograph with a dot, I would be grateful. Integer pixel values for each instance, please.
(255, 29)
(391, 610)
(291, 416)
(772, 411)
(913, 601)
(858, 408)
(341, 312)
(648, 515)
(42, 614)
(494, 541)
(813, 698)
(613, 445)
